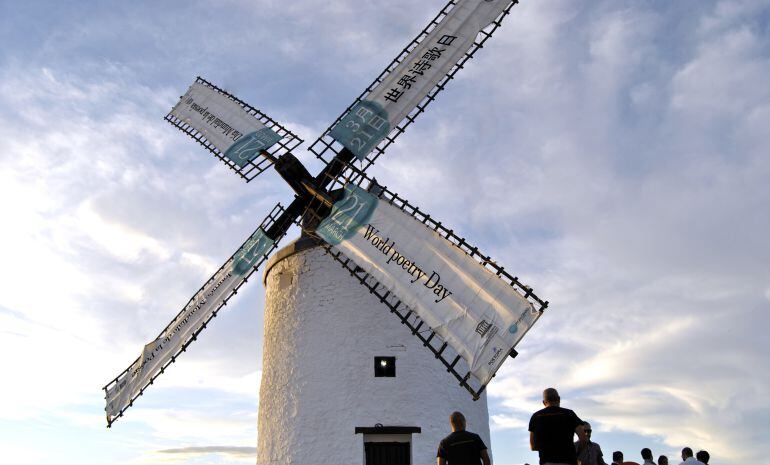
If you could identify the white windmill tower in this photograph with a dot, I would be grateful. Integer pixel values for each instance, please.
(374, 288)
(339, 370)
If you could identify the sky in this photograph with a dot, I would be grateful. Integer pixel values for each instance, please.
(613, 154)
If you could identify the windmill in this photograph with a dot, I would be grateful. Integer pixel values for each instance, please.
(463, 307)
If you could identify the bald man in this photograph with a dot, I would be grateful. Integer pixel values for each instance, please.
(551, 431)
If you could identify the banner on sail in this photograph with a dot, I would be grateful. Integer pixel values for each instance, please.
(479, 315)
(370, 120)
(199, 309)
(238, 135)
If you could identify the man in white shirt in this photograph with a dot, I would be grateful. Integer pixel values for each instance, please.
(688, 458)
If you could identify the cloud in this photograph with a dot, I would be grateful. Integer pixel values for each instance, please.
(102, 230)
(620, 204)
(205, 450)
(507, 422)
(613, 156)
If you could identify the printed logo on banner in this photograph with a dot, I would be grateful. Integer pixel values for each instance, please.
(496, 351)
(347, 215)
(249, 146)
(248, 255)
(486, 329)
(483, 327)
(362, 128)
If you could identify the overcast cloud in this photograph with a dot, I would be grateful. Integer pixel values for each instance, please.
(612, 154)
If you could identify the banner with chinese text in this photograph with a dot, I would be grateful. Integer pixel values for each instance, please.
(370, 120)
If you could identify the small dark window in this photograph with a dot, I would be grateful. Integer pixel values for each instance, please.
(384, 367)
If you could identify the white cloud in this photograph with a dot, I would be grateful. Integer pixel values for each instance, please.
(182, 423)
(115, 239)
(507, 422)
(238, 451)
(87, 257)
(613, 156)
(643, 258)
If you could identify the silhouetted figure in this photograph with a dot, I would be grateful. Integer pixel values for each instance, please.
(551, 431)
(461, 447)
(617, 458)
(703, 456)
(592, 453)
(688, 459)
(662, 460)
(647, 457)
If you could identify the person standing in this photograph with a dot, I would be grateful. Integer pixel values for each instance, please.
(662, 460)
(551, 431)
(461, 447)
(688, 459)
(591, 454)
(703, 456)
(647, 457)
(617, 459)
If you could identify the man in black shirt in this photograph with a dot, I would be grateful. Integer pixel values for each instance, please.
(461, 447)
(551, 430)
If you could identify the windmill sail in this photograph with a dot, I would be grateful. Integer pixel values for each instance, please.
(121, 392)
(244, 138)
(412, 80)
(446, 286)
(249, 142)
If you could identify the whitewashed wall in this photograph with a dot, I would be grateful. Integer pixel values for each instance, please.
(322, 332)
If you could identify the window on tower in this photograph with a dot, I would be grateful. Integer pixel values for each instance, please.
(384, 367)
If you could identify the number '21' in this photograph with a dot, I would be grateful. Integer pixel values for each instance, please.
(349, 204)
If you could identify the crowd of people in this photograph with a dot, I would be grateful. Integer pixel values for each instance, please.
(552, 429)
(702, 458)
(551, 434)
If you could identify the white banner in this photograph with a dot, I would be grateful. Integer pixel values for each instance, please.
(371, 119)
(157, 353)
(238, 135)
(472, 309)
